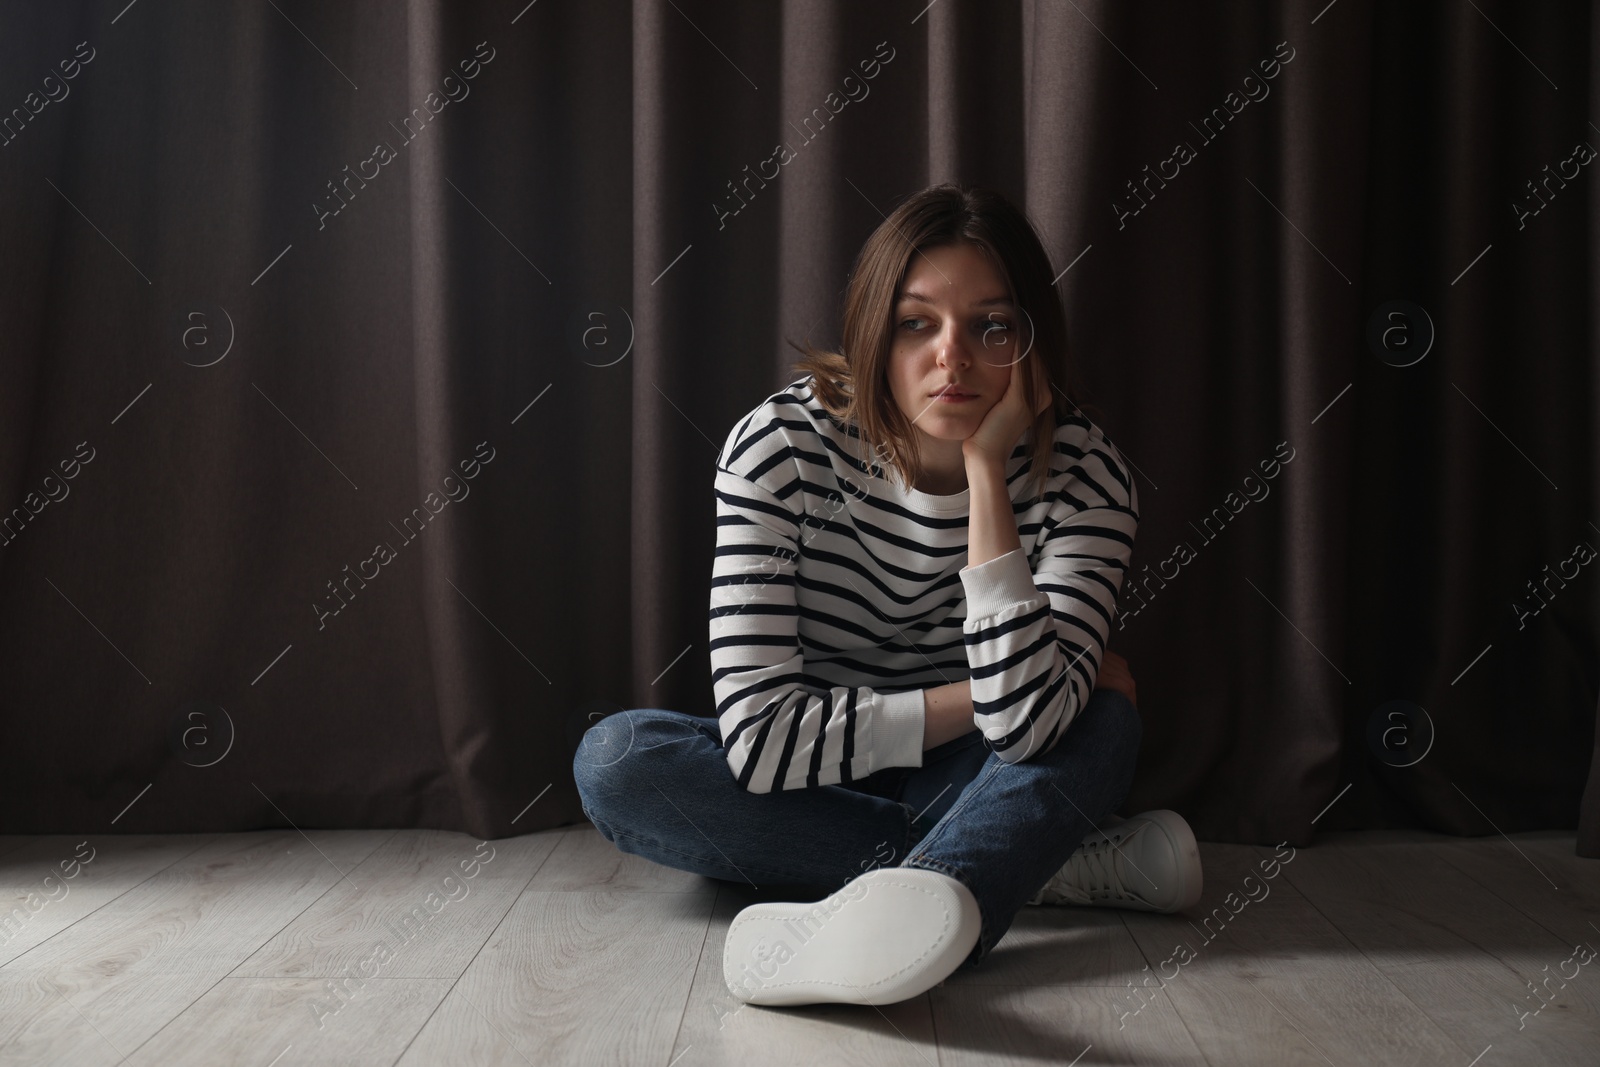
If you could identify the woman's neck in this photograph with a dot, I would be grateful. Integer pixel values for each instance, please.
(944, 469)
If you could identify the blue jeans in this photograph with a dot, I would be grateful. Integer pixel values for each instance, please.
(656, 783)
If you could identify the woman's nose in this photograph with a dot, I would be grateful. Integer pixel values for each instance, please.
(953, 350)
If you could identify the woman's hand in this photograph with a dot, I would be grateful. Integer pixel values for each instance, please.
(1003, 424)
(1114, 674)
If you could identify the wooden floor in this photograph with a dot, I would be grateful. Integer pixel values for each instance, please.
(555, 948)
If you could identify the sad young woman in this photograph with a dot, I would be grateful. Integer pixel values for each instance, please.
(918, 725)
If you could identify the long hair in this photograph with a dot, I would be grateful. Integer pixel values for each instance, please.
(852, 385)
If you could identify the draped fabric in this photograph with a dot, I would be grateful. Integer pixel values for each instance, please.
(366, 365)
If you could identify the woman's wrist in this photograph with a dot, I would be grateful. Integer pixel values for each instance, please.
(949, 714)
(980, 464)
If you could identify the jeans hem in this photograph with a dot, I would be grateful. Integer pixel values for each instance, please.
(981, 949)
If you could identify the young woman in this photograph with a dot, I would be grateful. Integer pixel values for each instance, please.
(919, 548)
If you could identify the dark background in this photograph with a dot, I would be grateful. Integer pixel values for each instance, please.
(552, 239)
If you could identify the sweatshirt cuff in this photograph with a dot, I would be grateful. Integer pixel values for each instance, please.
(998, 584)
(898, 728)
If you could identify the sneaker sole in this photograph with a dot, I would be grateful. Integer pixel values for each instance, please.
(887, 936)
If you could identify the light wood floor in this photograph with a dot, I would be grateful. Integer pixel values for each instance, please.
(1381, 948)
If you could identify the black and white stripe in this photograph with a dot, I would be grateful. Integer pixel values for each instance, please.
(837, 598)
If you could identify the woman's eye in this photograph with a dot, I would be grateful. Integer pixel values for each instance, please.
(985, 326)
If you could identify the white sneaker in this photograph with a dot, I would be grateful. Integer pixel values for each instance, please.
(1147, 862)
(889, 935)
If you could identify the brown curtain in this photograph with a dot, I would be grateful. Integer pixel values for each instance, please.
(365, 366)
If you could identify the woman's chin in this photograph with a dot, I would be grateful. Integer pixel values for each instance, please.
(950, 427)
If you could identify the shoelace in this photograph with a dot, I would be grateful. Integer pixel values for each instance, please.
(1092, 874)
(1098, 866)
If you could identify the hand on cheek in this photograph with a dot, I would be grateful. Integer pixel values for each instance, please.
(1003, 423)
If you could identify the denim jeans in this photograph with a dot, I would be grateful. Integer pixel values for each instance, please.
(656, 783)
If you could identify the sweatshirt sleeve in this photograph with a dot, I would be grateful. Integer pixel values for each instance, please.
(778, 731)
(1035, 640)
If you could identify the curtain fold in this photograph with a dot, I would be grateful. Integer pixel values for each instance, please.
(390, 347)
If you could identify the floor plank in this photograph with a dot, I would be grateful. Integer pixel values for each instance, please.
(584, 861)
(1253, 940)
(51, 882)
(574, 977)
(1540, 877)
(420, 906)
(1050, 945)
(1451, 947)
(1250, 922)
(989, 1026)
(1300, 1020)
(95, 992)
(250, 1022)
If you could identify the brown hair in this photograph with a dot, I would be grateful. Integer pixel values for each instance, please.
(853, 386)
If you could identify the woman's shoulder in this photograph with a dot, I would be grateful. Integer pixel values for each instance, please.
(1086, 455)
(1075, 429)
(790, 418)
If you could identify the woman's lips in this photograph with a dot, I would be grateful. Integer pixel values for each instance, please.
(952, 398)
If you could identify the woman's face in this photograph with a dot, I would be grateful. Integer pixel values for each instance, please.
(955, 334)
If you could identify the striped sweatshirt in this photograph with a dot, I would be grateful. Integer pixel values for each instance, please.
(837, 597)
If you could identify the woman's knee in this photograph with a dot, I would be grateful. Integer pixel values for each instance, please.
(1118, 719)
(620, 751)
(603, 751)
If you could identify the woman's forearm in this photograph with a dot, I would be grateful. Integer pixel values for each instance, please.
(991, 533)
(949, 713)
(991, 521)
